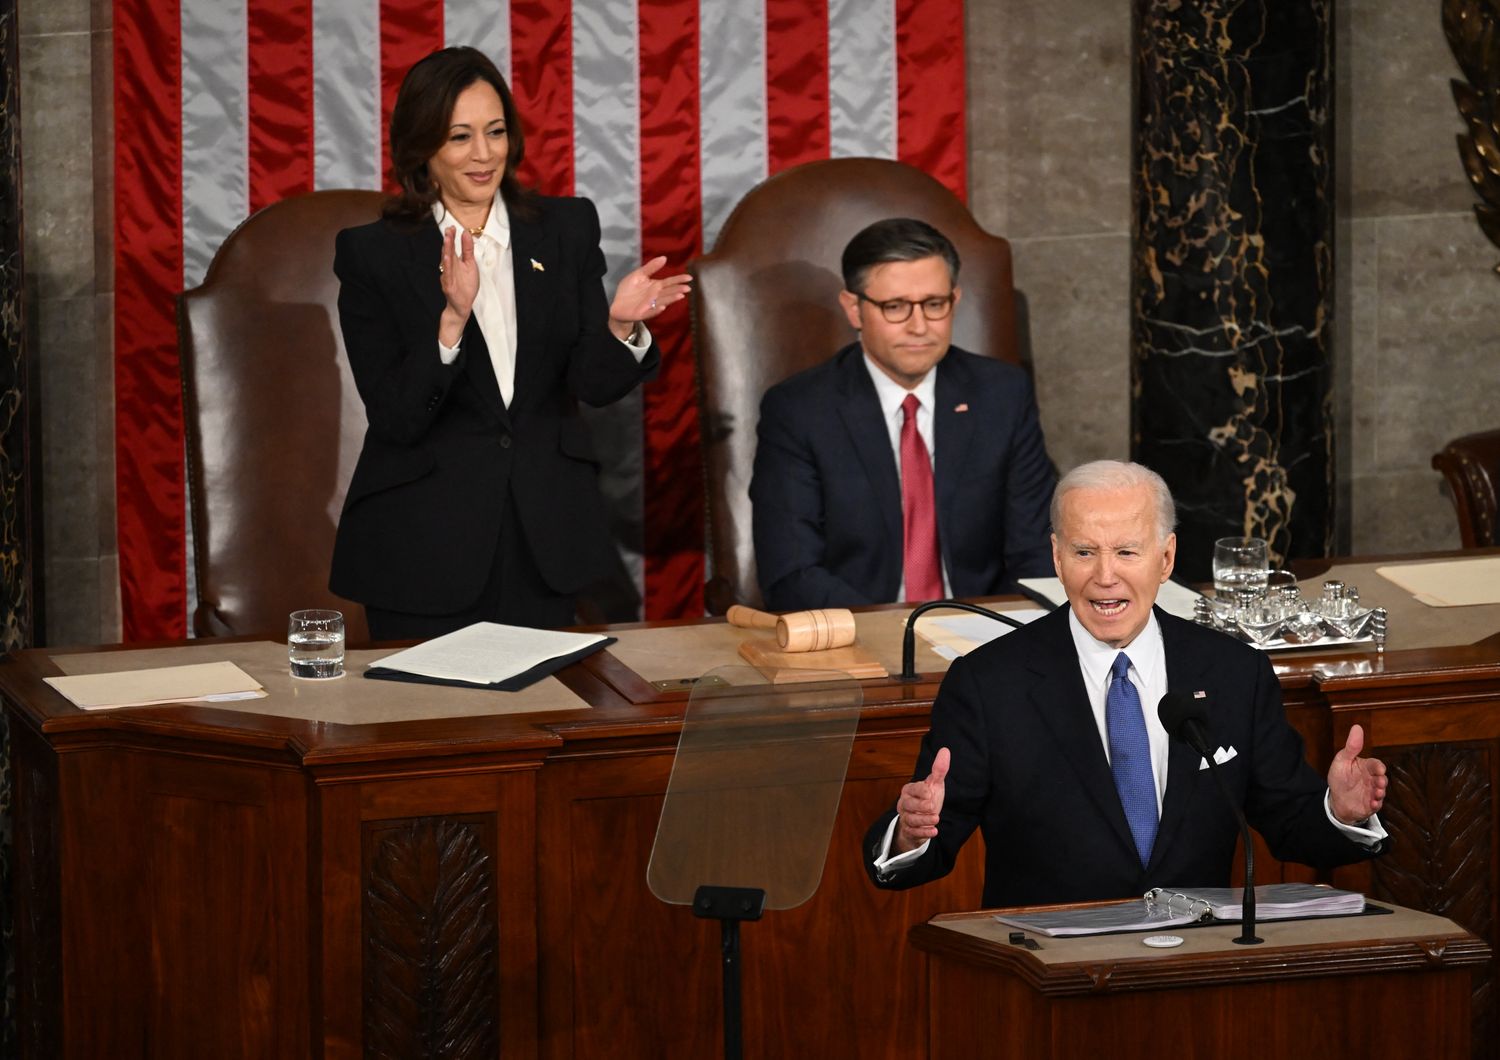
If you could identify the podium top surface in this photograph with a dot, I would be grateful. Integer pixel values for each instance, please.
(1404, 939)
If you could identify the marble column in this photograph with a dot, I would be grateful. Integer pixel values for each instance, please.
(15, 455)
(1232, 269)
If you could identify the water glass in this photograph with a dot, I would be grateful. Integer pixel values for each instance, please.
(1240, 563)
(315, 644)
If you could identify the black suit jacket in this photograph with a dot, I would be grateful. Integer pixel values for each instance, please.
(422, 517)
(1028, 767)
(827, 489)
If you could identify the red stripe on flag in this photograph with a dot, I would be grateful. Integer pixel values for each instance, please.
(280, 105)
(930, 90)
(541, 80)
(671, 224)
(148, 276)
(409, 30)
(796, 83)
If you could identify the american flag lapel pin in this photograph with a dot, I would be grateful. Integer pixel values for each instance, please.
(536, 266)
(1200, 694)
(962, 406)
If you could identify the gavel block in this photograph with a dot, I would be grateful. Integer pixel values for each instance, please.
(798, 631)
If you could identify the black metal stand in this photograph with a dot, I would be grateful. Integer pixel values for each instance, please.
(909, 638)
(730, 905)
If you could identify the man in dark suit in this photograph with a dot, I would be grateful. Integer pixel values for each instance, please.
(1041, 740)
(903, 468)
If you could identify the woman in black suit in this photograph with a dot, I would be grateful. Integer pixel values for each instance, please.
(475, 320)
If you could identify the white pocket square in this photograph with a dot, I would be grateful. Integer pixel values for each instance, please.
(1220, 757)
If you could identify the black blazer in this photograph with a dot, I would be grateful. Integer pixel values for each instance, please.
(1029, 769)
(827, 491)
(422, 517)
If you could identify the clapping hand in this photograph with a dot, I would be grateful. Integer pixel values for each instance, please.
(920, 806)
(642, 295)
(458, 274)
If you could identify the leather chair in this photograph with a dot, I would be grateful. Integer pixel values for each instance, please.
(1471, 465)
(274, 423)
(765, 305)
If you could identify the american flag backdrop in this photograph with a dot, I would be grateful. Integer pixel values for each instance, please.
(664, 112)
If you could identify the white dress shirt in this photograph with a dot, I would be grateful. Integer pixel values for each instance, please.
(495, 303)
(890, 395)
(1148, 672)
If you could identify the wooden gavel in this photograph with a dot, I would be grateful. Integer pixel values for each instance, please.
(830, 627)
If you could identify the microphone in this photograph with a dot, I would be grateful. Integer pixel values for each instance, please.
(909, 638)
(1186, 718)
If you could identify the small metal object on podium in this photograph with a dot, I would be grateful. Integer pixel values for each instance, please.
(1279, 617)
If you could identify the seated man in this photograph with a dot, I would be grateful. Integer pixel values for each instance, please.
(903, 468)
(1040, 737)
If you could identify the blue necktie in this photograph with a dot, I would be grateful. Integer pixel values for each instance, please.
(1130, 756)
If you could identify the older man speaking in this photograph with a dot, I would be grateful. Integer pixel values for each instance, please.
(1047, 738)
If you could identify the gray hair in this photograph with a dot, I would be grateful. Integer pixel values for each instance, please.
(1118, 475)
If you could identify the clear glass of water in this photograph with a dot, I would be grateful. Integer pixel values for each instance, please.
(315, 643)
(1240, 563)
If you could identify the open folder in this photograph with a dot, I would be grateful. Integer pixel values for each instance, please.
(488, 655)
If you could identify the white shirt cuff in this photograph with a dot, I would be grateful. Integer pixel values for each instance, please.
(639, 343)
(1368, 834)
(448, 354)
(885, 864)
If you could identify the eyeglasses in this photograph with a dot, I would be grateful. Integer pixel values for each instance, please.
(898, 310)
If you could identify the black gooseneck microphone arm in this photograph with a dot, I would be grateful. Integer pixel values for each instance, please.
(1183, 718)
(909, 638)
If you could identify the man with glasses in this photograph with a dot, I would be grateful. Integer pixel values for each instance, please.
(904, 468)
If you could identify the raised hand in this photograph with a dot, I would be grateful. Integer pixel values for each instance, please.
(459, 275)
(642, 295)
(920, 806)
(1356, 786)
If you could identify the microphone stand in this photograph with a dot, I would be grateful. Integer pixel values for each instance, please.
(909, 638)
(1247, 910)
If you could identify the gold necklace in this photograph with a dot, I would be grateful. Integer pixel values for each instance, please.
(476, 231)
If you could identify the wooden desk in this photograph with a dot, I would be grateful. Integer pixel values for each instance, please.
(277, 885)
(1392, 984)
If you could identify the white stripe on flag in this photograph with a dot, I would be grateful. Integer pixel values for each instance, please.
(346, 94)
(606, 125)
(731, 106)
(482, 24)
(862, 78)
(607, 169)
(215, 129)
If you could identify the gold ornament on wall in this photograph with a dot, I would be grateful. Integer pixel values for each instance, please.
(1473, 31)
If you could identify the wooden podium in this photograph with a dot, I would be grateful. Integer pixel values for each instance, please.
(1374, 985)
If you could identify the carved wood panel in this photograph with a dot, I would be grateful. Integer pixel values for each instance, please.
(1440, 815)
(431, 949)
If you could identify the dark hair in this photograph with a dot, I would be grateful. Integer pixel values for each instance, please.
(894, 239)
(420, 122)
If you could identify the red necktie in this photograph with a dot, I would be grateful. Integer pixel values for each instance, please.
(924, 570)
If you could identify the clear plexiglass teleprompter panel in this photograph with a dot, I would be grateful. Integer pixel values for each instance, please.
(755, 785)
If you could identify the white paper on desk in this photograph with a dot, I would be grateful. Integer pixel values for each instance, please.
(953, 635)
(1173, 598)
(194, 683)
(486, 653)
(1455, 583)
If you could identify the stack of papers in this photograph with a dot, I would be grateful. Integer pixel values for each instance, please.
(1195, 905)
(1279, 901)
(489, 655)
(215, 682)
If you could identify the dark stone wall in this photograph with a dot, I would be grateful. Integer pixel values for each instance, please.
(1232, 269)
(15, 455)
